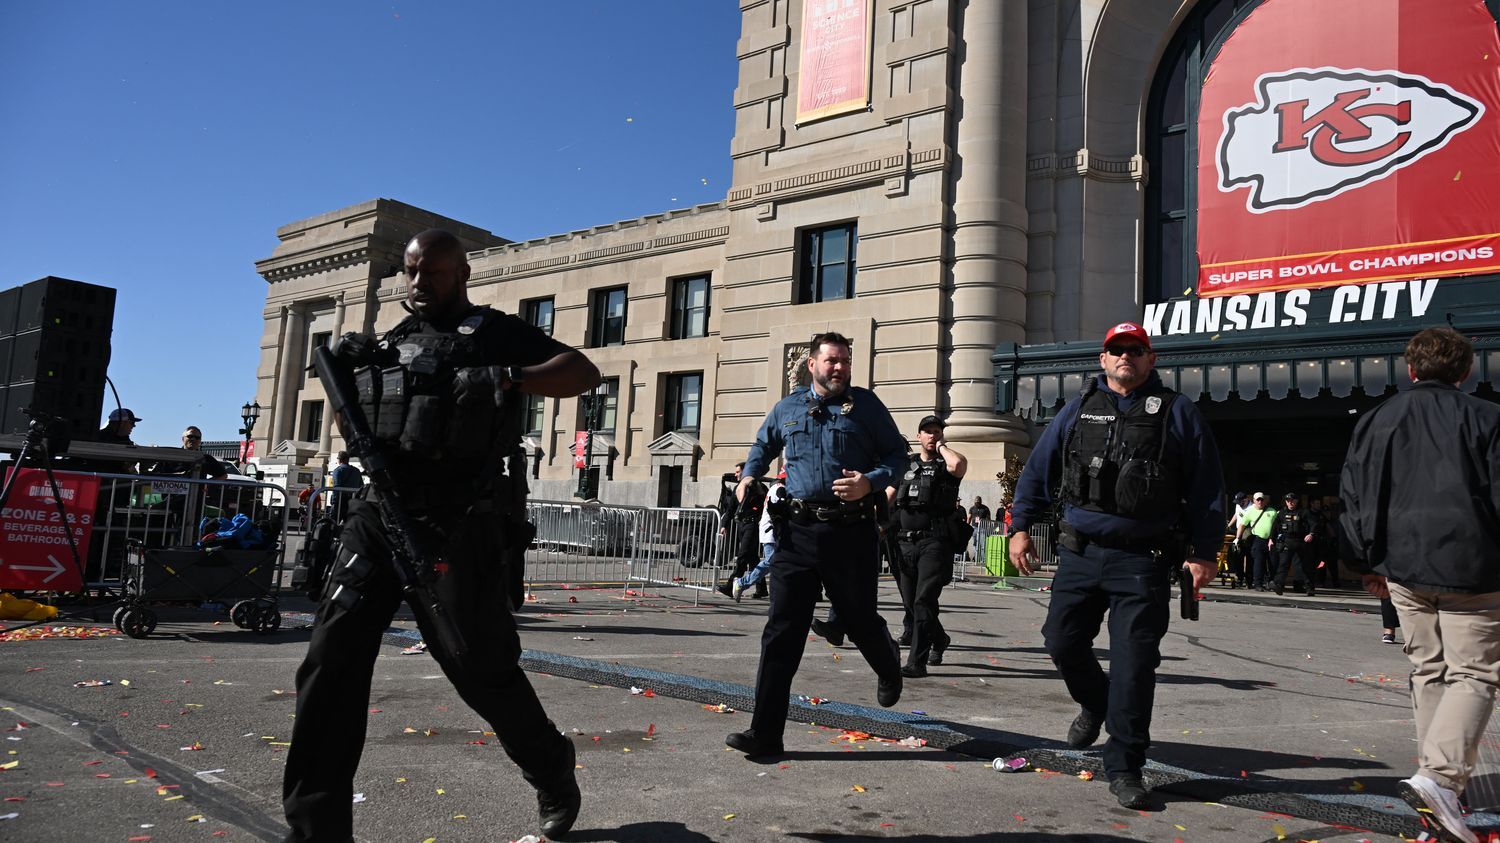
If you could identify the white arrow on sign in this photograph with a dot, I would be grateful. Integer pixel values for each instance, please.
(56, 568)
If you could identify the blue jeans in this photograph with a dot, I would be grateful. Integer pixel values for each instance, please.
(762, 568)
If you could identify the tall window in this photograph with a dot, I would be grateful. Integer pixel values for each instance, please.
(312, 421)
(684, 400)
(610, 406)
(690, 307)
(1171, 262)
(538, 312)
(319, 340)
(607, 318)
(536, 409)
(825, 263)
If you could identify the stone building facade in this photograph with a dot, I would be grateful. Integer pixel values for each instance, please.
(989, 195)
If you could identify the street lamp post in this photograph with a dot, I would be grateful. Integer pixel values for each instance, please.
(249, 414)
(593, 407)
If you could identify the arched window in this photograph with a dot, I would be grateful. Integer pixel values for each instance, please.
(1171, 262)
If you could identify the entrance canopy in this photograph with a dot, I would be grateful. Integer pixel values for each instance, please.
(1309, 353)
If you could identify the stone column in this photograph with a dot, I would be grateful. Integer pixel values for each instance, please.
(989, 215)
(274, 412)
(325, 442)
(287, 379)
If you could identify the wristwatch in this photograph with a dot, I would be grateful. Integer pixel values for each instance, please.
(513, 374)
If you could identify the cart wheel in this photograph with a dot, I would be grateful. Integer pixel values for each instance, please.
(119, 614)
(265, 620)
(138, 622)
(242, 613)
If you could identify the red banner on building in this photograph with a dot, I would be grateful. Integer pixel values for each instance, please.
(834, 75)
(580, 444)
(1350, 141)
(34, 552)
(247, 450)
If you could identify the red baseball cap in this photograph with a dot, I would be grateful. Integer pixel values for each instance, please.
(1129, 330)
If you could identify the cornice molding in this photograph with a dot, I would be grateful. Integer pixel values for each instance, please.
(275, 271)
(871, 171)
(633, 250)
(1086, 165)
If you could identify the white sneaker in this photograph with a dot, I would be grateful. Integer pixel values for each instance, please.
(1437, 806)
(736, 590)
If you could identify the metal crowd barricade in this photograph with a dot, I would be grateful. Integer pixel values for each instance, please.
(676, 546)
(145, 549)
(620, 545)
(992, 547)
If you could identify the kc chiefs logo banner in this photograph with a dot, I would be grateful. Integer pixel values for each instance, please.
(1350, 141)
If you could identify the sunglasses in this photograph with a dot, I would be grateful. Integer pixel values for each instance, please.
(1127, 351)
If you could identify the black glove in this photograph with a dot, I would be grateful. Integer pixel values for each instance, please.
(481, 383)
(357, 348)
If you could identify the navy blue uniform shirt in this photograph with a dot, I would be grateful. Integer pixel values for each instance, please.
(822, 438)
(1202, 479)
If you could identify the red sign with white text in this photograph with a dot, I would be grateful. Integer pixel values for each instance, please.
(1350, 141)
(34, 552)
(834, 74)
(580, 444)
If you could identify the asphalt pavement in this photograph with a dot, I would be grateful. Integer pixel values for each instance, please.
(1276, 718)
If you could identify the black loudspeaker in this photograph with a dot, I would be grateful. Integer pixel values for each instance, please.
(54, 352)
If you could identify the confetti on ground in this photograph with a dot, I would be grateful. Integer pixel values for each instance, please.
(729, 816)
(721, 708)
(859, 788)
(1086, 775)
(415, 649)
(194, 747)
(34, 633)
(92, 683)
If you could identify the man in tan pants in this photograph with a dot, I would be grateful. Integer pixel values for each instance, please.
(1421, 487)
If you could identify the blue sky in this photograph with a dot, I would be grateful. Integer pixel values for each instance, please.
(156, 147)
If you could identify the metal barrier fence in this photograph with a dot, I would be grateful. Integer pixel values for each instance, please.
(598, 543)
(990, 550)
(326, 500)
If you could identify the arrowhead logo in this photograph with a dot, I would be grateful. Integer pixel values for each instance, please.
(1315, 133)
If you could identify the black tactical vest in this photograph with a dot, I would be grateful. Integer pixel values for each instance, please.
(927, 494)
(411, 404)
(1291, 527)
(1119, 463)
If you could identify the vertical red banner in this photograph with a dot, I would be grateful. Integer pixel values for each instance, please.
(34, 551)
(834, 74)
(580, 444)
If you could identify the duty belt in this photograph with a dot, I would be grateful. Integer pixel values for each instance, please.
(831, 512)
(1069, 537)
(913, 535)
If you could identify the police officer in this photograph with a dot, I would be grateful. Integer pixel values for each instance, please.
(450, 423)
(1292, 534)
(1136, 464)
(842, 449)
(925, 508)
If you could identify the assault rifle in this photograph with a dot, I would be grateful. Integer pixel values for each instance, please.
(411, 560)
